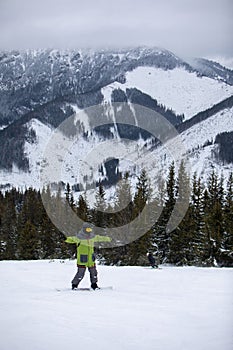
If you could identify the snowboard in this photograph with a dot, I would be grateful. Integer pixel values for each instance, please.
(83, 289)
(152, 268)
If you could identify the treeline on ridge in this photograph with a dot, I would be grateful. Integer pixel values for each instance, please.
(204, 236)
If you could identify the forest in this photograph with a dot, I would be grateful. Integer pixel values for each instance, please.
(204, 236)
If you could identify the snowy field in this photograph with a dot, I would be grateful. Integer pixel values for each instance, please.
(169, 309)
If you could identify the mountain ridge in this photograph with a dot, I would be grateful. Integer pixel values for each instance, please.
(51, 85)
(32, 78)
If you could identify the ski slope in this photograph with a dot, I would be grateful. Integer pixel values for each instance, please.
(177, 89)
(185, 308)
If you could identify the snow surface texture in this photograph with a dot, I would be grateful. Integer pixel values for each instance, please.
(177, 89)
(185, 308)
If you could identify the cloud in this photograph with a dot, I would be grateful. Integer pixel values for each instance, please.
(189, 27)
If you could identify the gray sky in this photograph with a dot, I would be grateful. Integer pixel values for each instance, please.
(186, 27)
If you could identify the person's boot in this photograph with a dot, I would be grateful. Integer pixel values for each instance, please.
(94, 286)
(74, 286)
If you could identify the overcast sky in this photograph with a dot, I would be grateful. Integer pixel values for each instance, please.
(186, 27)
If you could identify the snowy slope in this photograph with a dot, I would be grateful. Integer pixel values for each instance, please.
(169, 309)
(224, 61)
(200, 157)
(83, 157)
(49, 82)
(177, 89)
(34, 152)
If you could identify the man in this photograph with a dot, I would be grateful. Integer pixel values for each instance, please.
(151, 260)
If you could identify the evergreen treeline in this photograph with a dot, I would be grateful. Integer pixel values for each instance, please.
(199, 117)
(204, 237)
(26, 232)
(225, 142)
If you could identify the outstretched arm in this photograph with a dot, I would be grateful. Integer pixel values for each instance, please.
(102, 238)
(72, 239)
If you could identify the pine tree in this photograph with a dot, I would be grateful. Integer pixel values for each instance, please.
(142, 229)
(216, 192)
(8, 232)
(226, 256)
(181, 243)
(162, 235)
(82, 209)
(213, 219)
(46, 239)
(123, 209)
(199, 237)
(69, 196)
(120, 219)
(207, 259)
(181, 238)
(100, 208)
(28, 242)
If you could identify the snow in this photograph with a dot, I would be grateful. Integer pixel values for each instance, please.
(80, 160)
(177, 89)
(81, 117)
(201, 158)
(226, 62)
(173, 308)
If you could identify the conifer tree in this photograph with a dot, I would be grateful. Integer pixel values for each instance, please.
(226, 256)
(143, 237)
(181, 243)
(123, 208)
(207, 259)
(69, 196)
(161, 234)
(196, 207)
(82, 209)
(120, 217)
(28, 242)
(181, 239)
(216, 191)
(8, 230)
(100, 208)
(213, 219)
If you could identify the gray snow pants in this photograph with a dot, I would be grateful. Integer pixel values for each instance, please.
(81, 272)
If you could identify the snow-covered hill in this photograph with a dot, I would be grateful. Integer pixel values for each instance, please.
(31, 78)
(182, 91)
(72, 157)
(40, 89)
(173, 308)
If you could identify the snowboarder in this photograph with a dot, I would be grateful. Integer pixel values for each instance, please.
(85, 240)
(151, 260)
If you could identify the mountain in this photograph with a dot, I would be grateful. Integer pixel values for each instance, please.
(41, 89)
(32, 78)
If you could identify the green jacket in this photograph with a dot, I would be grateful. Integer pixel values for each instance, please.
(85, 248)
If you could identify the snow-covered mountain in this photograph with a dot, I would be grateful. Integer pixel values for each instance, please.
(32, 78)
(178, 89)
(40, 89)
